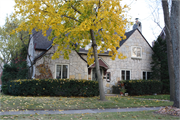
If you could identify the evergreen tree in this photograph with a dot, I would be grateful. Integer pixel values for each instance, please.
(17, 69)
(160, 64)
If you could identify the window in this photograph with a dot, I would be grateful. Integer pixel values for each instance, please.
(108, 76)
(125, 75)
(136, 52)
(146, 75)
(62, 71)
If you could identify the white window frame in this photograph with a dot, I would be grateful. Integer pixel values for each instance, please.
(146, 74)
(125, 73)
(136, 53)
(61, 70)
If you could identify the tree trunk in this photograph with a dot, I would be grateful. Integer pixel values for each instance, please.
(169, 49)
(175, 32)
(101, 88)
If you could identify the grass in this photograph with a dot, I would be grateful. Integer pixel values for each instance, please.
(16, 103)
(99, 116)
(160, 97)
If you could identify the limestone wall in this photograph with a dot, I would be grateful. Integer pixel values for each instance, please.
(136, 66)
(77, 67)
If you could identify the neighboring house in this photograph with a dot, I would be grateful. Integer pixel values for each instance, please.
(135, 66)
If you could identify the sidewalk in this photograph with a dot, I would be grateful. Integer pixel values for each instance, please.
(136, 97)
(78, 111)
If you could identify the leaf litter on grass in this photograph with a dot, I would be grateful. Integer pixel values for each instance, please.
(169, 110)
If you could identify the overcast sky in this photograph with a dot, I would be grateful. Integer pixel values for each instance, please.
(149, 13)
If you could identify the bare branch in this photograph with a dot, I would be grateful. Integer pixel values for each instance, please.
(46, 4)
(76, 9)
(70, 18)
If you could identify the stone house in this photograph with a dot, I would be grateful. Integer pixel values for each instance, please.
(136, 66)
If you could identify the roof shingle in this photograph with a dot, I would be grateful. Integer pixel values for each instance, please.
(42, 43)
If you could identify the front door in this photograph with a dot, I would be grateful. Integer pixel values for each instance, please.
(94, 74)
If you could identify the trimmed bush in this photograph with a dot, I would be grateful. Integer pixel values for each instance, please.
(142, 87)
(53, 87)
(4, 89)
(166, 86)
(115, 89)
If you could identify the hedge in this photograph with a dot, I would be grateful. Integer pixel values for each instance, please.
(166, 86)
(53, 87)
(115, 89)
(4, 89)
(141, 87)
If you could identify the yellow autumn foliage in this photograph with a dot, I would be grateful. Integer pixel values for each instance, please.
(76, 18)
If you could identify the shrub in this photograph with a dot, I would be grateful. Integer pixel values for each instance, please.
(142, 87)
(115, 89)
(165, 86)
(4, 89)
(9, 73)
(14, 71)
(53, 87)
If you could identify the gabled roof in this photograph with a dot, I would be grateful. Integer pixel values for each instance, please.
(128, 34)
(102, 63)
(41, 42)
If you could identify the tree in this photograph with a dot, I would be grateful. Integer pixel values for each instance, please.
(172, 37)
(84, 21)
(159, 57)
(175, 33)
(160, 63)
(169, 48)
(16, 69)
(11, 45)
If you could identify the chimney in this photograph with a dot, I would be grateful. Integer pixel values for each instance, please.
(137, 25)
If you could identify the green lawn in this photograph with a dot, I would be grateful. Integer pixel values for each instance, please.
(160, 97)
(100, 116)
(66, 103)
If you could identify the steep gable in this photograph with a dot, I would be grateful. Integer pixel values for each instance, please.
(128, 34)
(41, 42)
(136, 40)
